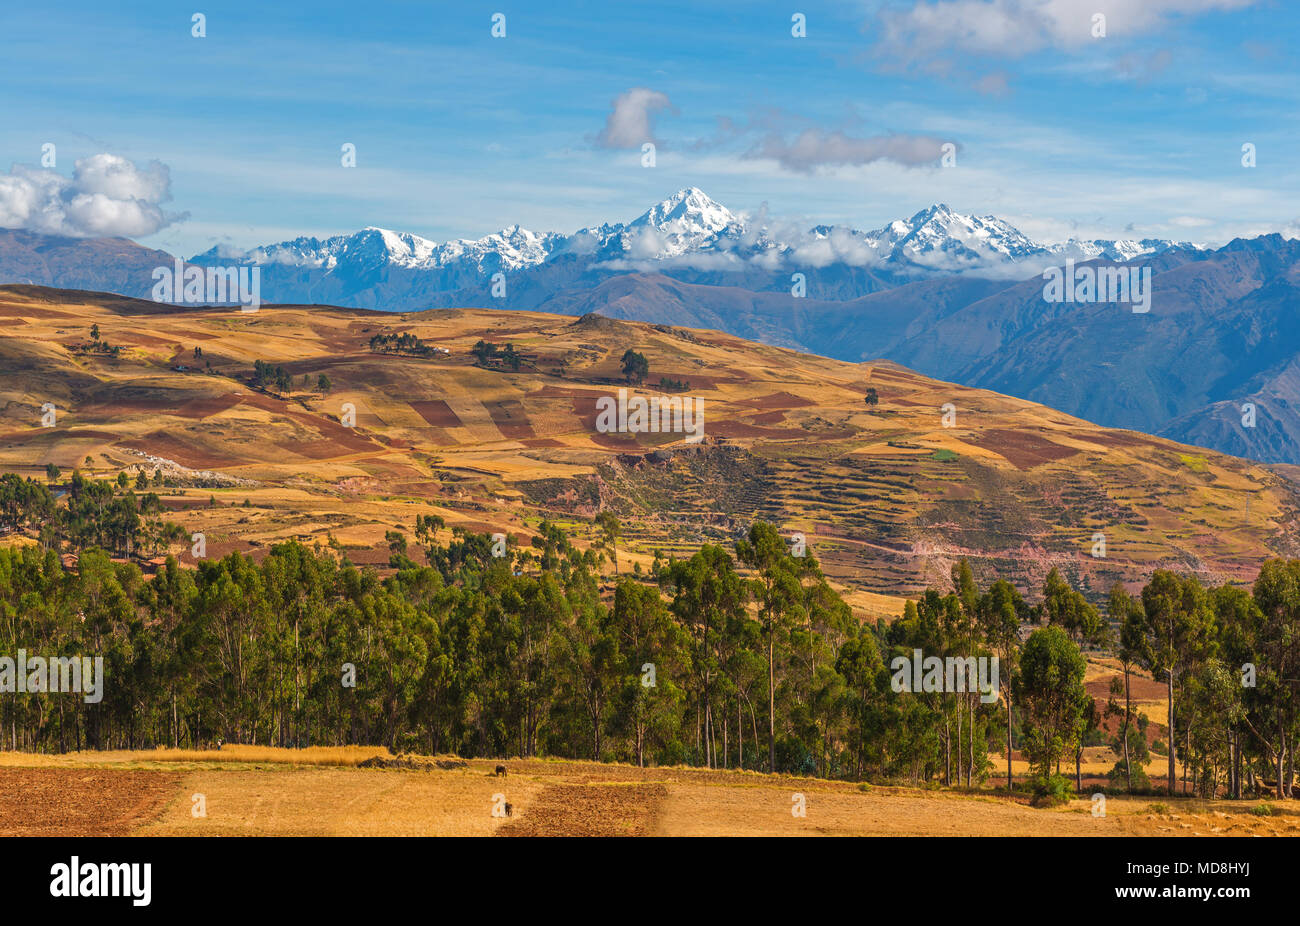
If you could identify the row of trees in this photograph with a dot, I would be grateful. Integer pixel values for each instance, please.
(730, 658)
(280, 380)
(93, 513)
(1230, 662)
(404, 343)
(486, 354)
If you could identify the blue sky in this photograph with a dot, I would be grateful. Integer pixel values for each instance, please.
(457, 133)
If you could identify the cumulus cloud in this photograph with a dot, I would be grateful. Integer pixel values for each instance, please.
(838, 246)
(643, 262)
(630, 121)
(106, 196)
(815, 148)
(1012, 28)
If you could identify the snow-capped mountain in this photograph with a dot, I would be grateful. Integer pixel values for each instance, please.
(687, 221)
(369, 246)
(509, 249)
(689, 224)
(1119, 250)
(940, 238)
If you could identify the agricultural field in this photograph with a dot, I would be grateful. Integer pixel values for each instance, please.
(266, 791)
(888, 497)
(304, 423)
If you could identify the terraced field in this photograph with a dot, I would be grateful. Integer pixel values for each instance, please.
(887, 495)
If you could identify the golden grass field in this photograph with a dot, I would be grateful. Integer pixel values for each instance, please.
(887, 496)
(323, 792)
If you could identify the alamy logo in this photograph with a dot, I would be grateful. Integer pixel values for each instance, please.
(53, 674)
(953, 673)
(76, 878)
(1099, 284)
(209, 286)
(657, 414)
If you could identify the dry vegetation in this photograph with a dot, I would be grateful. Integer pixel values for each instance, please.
(887, 497)
(283, 792)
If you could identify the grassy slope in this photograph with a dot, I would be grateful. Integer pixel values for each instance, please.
(888, 497)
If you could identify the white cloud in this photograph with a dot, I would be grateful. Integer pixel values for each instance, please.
(106, 196)
(814, 148)
(1013, 28)
(630, 122)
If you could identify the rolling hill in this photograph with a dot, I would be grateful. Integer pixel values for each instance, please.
(887, 495)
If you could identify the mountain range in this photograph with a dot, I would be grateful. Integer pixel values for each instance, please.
(953, 296)
(686, 235)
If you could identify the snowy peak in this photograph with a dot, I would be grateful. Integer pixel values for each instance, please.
(396, 247)
(690, 223)
(1122, 249)
(688, 211)
(938, 236)
(686, 221)
(370, 247)
(509, 249)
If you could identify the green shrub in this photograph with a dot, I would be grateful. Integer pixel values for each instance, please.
(1120, 781)
(1050, 791)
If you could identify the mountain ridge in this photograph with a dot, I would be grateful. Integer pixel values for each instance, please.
(954, 296)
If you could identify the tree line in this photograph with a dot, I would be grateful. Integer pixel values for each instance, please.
(740, 657)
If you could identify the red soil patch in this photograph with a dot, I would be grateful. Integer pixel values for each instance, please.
(221, 549)
(1140, 689)
(695, 381)
(777, 400)
(511, 419)
(87, 434)
(437, 413)
(137, 339)
(1022, 449)
(320, 449)
(1117, 439)
(542, 442)
(584, 407)
(182, 449)
(590, 810)
(424, 489)
(18, 311)
(80, 801)
(208, 406)
(372, 556)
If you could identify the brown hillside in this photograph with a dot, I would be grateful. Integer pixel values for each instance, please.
(887, 496)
